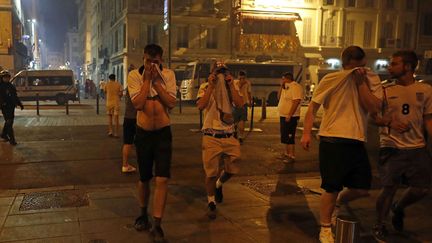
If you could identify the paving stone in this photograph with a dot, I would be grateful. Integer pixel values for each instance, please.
(66, 239)
(41, 218)
(110, 193)
(4, 210)
(106, 225)
(38, 231)
(6, 201)
(119, 235)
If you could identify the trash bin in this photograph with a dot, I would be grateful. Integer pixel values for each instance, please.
(347, 230)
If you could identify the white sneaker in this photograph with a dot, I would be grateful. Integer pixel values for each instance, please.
(128, 169)
(326, 235)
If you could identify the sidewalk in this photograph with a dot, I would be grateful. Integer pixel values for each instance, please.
(250, 212)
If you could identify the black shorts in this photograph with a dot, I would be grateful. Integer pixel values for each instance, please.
(129, 130)
(288, 130)
(154, 147)
(410, 167)
(344, 163)
(240, 113)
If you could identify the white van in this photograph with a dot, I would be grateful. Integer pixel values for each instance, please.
(55, 85)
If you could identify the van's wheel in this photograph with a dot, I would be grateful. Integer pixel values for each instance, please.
(61, 99)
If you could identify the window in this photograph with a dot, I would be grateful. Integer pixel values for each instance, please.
(182, 37)
(124, 36)
(351, 3)
(212, 38)
(349, 32)
(328, 2)
(389, 4)
(152, 37)
(388, 30)
(307, 29)
(427, 24)
(367, 35)
(369, 3)
(409, 5)
(407, 35)
(116, 41)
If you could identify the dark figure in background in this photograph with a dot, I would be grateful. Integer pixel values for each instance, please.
(8, 101)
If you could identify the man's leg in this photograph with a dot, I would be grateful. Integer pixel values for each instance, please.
(110, 130)
(125, 154)
(328, 202)
(160, 195)
(241, 126)
(410, 196)
(142, 222)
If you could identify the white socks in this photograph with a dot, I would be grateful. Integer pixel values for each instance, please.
(211, 199)
(219, 183)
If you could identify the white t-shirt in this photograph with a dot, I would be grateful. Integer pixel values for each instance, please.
(135, 82)
(407, 104)
(212, 119)
(343, 115)
(292, 91)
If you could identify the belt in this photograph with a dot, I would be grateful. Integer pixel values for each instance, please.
(219, 135)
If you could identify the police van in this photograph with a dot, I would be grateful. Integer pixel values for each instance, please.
(57, 85)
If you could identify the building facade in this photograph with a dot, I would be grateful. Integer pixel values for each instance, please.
(13, 53)
(313, 32)
(71, 56)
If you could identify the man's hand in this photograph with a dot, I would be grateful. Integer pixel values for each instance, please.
(360, 76)
(229, 79)
(147, 72)
(212, 80)
(306, 141)
(287, 119)
(399, 126)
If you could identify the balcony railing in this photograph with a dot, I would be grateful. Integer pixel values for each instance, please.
(267, 43)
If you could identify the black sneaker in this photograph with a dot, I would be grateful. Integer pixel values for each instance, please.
(157, 234)
(211, 212)
(142, 223)
(4, 138)
(397, 218)
(13, 142)
(380, 233)
(218, 195)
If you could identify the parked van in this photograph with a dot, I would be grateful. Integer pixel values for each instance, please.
(55, 85)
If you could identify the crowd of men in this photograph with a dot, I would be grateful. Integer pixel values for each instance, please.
(401, 108)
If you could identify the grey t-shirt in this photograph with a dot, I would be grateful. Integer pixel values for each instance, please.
(130, 111)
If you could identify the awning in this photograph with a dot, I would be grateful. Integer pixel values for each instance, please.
(313, 55)
(270, 15)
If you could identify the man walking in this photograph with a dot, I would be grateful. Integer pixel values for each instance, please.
(342, 155)
(241, 113)
(8, 101)
(403, 156)
(153, 92)
(114, 92)
(217, 98)
(290, 95)
(129, 131)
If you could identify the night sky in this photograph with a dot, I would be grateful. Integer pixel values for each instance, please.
(55, 18)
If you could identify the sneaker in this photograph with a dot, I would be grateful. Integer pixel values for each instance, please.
(157, 234)
(142, 223)
(128, 169)
(397, 218)
(288, 160)
(211, 212)
(326, 235)
(218, 195)
(380, 233)
(4, 138)
(13, 142)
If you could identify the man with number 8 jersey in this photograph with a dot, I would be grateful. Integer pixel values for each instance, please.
(403, 159)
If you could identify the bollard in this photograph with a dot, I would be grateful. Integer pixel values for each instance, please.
(264, 109)
(252, 115)
(347, 230)
(67, 107)
(37, 104)
(97, 104)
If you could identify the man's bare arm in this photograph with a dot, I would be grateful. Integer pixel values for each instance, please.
(141, 98)
(166, 99)
(308, 123)
(203, 102)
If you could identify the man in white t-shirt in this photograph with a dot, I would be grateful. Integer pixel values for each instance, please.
(342, 155)
(290, 95)
(218, 142)
(404, 159)
(152, 89)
